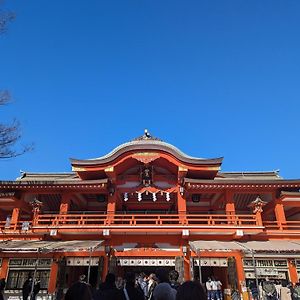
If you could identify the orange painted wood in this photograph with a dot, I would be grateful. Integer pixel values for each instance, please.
(240, 270)
(293, 271)
(53, 277)
(279, 214)
(105, 267)
(4, 268)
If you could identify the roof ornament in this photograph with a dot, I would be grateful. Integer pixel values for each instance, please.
(147, 137)
(257, 205)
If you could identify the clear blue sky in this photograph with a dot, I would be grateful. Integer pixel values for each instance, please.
(214, 78)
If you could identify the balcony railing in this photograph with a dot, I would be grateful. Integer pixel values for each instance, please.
(143, 220)
(288, 225)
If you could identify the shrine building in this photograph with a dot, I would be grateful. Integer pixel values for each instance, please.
(144, 205)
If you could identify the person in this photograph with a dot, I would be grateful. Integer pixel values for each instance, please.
(285, 292)
(142, 282)
(108, 289)
(130, 291)
(173, 276)
(208, 286)
(26, 289)
(36, 289)
(269, 290)
(163, 290)
(296, 291)
(190, 290)
(253, 290)
(80, 290)
(119, 283)
(2, 287)
(152, 283)
(214, 289)
(219, 289)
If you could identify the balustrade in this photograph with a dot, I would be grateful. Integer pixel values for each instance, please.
(144, 220)
(48, 221)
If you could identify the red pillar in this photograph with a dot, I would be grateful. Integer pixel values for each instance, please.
(53, 278)
(4, 268)
(181, 205)
(15, 217)
(241, 275)
(280, 215)
(111, 208)
(105, 267)
(187, 263)
(229, 207)
(293, 271)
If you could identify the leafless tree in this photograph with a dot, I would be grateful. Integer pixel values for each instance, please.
(10, 133)
(5, 18)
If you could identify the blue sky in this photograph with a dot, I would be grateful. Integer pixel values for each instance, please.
(214, 78)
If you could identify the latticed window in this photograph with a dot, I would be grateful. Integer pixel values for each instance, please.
(16, 278)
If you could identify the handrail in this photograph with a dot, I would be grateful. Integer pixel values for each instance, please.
(286, 225)
(145, 220)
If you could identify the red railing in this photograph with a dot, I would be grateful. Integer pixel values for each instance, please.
(143, 220)
(288, 225)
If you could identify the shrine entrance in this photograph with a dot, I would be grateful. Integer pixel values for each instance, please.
(143, 265)
(211, 267)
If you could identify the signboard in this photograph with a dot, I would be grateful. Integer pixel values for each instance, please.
(29, 262)
(266, 263)
(211, 262)
(164, 262)
(267, 272)
(82, 261)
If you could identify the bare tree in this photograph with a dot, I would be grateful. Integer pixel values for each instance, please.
(10, 134)
(5, 18)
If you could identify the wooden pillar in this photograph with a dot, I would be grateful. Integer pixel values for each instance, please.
(186, 263)
(181, 206)
(111, 208)
(105, 267)
(4, 268)
(53, 277)
(241, 276)
(229, 207)
(280, 215)
(15, 218)
(293, 271)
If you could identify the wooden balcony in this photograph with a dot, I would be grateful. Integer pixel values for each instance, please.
(128, 223)
(144, 220)
(284, 226)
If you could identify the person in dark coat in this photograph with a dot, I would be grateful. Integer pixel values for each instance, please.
(130, 291)
(2, 287)
(80, 290)
(152, 283)
(26, 289)
(173, 276)
(190, 290)
(36, 289)
(108, 289)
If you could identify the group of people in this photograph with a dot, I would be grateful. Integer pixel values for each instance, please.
(274, 290)
(214, 289)
(162, 285)
(30, 289)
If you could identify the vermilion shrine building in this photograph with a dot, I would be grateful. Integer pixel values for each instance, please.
(143, 205)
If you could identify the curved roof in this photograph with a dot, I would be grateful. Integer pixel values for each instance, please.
(146, 144)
